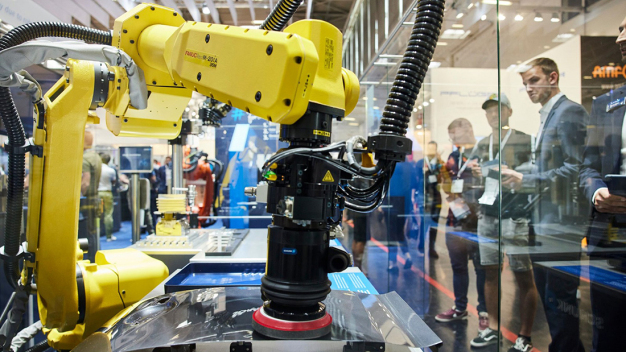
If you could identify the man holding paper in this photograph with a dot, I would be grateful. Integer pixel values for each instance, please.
(505, 148)
(603, 178)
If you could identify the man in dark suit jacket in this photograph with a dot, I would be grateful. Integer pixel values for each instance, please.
(552, 182)
(605, 155)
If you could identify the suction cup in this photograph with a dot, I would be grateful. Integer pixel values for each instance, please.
(282, 329)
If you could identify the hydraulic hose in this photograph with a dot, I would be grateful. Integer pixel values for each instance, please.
(410, 76)
(15, 130)
(282, 13)
(40, 347)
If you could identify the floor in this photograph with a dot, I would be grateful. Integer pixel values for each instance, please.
(426, 285)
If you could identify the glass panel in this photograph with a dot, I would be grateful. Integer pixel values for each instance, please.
(561, 68)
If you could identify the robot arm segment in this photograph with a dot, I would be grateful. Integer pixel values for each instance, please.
(27, 54)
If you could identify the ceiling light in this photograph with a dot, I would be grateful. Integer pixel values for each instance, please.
(353, 124)
(432, 100)
(419, 107)
(419, 127)
(453, 34)
(414, 109)
(349, 119)
(459, 15)
(457, 25)
(206, 10)
(483, 17)
(501, 17)
(425, 103)
(546, 46)
(555, 18)
(470, 5)
(495, 2)
(538, 17)
(364, 98)
(376, 108)
(572, 30)
(257, 22)
(442, 44)
(519, 17)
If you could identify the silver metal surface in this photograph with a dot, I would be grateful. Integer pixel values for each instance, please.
(214, 318)
(177, 168)
(134, 208)
(253, 249)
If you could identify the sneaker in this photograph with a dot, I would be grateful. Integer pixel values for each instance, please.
(483, 321)
(113, 238)
(485, 338)
(521, 345)
(451, 315)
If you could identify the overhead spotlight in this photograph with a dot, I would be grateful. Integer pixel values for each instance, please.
(206, 10)
(555, 18)
(501, 17)
(431, 100)
(459, 15)
(419, 107)
(414, 109)
(519, 17)
(483, 17)
(538, 17)
(470, 5)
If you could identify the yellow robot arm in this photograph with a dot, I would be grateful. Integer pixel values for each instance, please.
(273, 75)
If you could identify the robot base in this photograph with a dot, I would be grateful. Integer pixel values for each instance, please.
(290, 330)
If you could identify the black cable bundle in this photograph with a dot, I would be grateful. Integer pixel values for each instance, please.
(280, 16)
(410, 76)
(15, 130)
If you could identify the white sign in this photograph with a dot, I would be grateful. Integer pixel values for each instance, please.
(18, 12)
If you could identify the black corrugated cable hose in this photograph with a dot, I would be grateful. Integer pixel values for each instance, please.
(280, 16)
(410, 76)
(40, 347)
(15, 130)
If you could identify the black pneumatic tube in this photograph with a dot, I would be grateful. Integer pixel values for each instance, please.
(15, 130)
(282, 13)
(410, 76)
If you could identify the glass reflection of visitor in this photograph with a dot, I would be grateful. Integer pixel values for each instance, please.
(603, 178)
(458, 184)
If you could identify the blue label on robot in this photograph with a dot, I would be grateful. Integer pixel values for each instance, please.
(290, 251)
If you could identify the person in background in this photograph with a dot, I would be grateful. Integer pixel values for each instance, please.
(92, 166)
(164, 175)
(108, 178)
(430, 199)
(503, 222)
(605, 154)
(558, 155)
(462, 199)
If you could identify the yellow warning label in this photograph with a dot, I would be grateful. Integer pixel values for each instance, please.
(321, 133)
(328, 177)
(204, 59)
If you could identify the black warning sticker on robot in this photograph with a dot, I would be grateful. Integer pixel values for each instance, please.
(329, 54)
(204, 59)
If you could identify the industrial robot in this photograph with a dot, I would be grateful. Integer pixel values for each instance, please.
(143, 74)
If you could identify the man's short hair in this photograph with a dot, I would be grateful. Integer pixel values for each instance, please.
(461, 122)
(547, 66)
(106, 158)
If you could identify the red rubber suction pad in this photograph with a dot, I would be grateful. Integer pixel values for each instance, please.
(290, 330)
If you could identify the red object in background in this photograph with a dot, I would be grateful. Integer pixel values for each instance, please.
(203, 172)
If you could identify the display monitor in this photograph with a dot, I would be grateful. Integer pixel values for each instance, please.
(135, 159)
